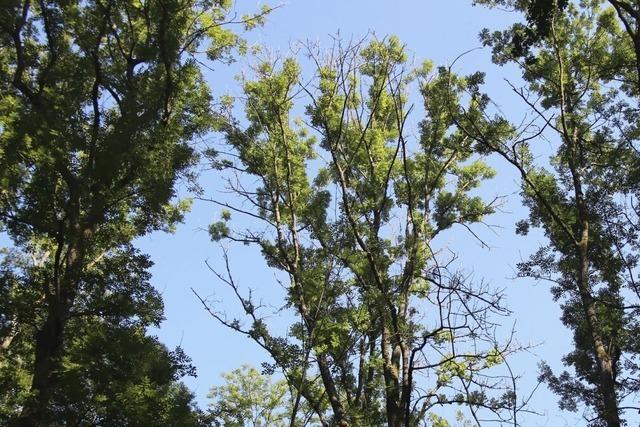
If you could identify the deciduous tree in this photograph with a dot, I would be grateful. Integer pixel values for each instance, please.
(99, 102)
(584, 195)
(349, 208)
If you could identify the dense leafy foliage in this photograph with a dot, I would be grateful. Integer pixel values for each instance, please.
(351, 165)
(585, 196)
(100, 100)
(386, 332)
(249, 398)
(111, 372)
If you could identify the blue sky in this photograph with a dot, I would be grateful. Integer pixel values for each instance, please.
(431, 29)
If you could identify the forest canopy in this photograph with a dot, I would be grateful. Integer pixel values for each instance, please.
(351, 189)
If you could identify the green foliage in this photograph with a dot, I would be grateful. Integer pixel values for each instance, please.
(100, 102)
(539, 15)
(581, 66)
(438, 421)
(349, 209)
(120, 376)
(249, 399)
(111, 373)
(108, 359)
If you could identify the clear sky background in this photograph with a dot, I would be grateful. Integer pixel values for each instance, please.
(438, 30)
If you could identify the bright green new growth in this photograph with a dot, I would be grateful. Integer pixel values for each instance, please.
(248, 398)
(349, 209)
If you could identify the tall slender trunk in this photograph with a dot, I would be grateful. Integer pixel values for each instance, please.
(391, 371)
(604, 363)
(48, 343)
(606, 385)
(339, 413)
(407, 386)
(49, 339)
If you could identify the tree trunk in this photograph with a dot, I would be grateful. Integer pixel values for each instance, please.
(332, 392)
(50, 337)
(391, 371)
(604, 363)
(48, 341)
(603, 359)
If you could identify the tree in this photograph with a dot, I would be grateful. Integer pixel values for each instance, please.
(111, 372)
(584, 196)
(249, 398)
(385, 329)
(100, 100)
(540, 14)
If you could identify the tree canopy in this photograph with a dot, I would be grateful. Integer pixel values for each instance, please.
(348, 169)
(354, 236)
(100, 101)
